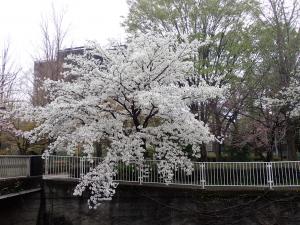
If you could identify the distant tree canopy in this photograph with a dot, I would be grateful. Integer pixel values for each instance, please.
(254, 52)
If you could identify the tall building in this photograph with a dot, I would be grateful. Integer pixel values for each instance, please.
(49, 69)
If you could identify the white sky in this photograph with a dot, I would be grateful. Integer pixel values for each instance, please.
(88, 19)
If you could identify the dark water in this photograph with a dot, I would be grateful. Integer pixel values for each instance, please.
(153, 206)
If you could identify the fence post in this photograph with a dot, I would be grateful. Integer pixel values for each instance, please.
(28, 166)
(80, 166)
(202, 166)
(46, 164)
(140, 173)
(270, 175)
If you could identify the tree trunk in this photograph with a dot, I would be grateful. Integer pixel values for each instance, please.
(98, 148)
(219, 151)
(203, 153)
(290, 139)
(272, 145)
(218, 133)
(269, 156)
(217, 147)
(202, 116)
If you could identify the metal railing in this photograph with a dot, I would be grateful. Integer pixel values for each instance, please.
(69, 166)
(205, 174)
(12, 166)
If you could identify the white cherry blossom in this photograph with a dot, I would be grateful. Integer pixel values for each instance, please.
(136, 96)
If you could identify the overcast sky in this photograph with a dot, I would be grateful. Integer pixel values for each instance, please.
(88, 19)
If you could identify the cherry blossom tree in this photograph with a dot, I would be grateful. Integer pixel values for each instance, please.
(136, 95)
(289, 98)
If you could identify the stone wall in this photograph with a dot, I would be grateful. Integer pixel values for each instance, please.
(20, 210)
(140, 205)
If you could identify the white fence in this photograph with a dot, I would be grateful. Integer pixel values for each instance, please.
(14, 166)
(205, 174)
(69, 166)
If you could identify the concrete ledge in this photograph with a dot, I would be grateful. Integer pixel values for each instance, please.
(20, 177)
(57, 179)
(19, 193)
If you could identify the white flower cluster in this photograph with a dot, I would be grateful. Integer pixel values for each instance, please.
(292, 97)
(288, 99)
(136, 96)
(99, 183)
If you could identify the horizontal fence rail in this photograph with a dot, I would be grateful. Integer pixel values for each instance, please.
(204, 174)
(14, 166)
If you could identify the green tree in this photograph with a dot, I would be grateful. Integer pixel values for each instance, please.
(278, 49)
(226, 61)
